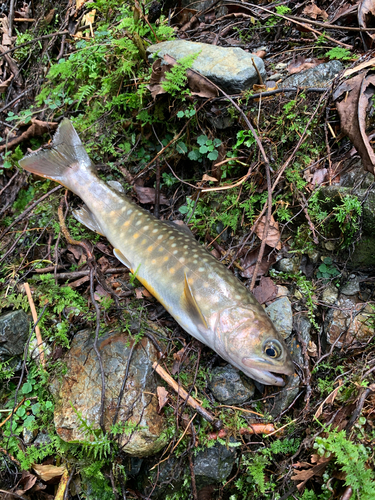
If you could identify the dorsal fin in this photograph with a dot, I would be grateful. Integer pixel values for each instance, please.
(192, 306)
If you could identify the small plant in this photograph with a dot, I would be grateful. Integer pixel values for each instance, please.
(176, 79)
(326, 270)
(339, 53)
(187, 113)
(352, 460)
(207, 148)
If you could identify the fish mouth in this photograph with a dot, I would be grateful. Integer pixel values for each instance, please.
(257, 370)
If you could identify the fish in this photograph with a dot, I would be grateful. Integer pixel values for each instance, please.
(201, 294)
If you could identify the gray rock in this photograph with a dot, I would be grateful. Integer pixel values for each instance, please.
(302, 324)
(288, 264)
(231, 68)
(286, 396)
(42, 438)
(213, 465)
(320, 76)
(14, 331)
(227, 386)
(330, 294)
(280, 312)
(352, 286)
(355, 176)
(81, 388)
(350, 321)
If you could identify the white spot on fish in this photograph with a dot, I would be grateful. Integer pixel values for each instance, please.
(175, 251)
(201, 269)
(171, 237)
(145, 228)
(130, 211)
(160, 236)
(155, 230)
(173, 245)
(238, 297)
(138, 222)
(123, 209)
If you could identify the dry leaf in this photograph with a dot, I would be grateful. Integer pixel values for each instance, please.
(313, 11)
(162, 396)
(147, 195)
(208, 178)
(273, 233)
(48, 472)
(364, 65)
(37, 129)
(26, 482)
(301, 63)
(366, 14)
(5, 85)
(328, 400)
(89, 18)
(265, 291)
(248, 262)
(79, 3)
(314, 470)
(355, 95)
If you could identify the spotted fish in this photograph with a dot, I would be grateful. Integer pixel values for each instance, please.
(197, 290)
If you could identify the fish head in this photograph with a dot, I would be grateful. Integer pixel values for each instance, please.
(252, 343)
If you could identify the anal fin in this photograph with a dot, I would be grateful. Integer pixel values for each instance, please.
(87, 218)
(121, 257)
(193, 307)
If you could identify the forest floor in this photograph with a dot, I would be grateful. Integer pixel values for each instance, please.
(281, 194)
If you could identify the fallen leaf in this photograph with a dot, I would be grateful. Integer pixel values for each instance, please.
(312, 349)
(364, 65)
(100, 293)
(314, 470)
(162, 396)
(4, 85)
(79, 3)
(355, 95)
(328, 400)
(301, 63)
(347, 14)
(265, 291)
(48, 472)
(273, 233)
(313, 11)
(366, 14)
(26, 482)
(208, 178)
(147, 195)
(248, 262)
(36, 129)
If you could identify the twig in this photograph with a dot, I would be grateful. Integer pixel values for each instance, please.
(157, 189)
(326, 25)
(123, 383)
(16, 98)
(192, 475)
(37, 329)
(11, 18)
(12, 411)
(66, 32)
(181, 392)
(29, 209)
(359, 407)
(252, 429)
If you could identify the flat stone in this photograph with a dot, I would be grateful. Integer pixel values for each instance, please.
(227, 386)
(351, 287)
(302, 324)
(320, 76)
(330, 294)
(79, 391)
(213, 465)
(288, 264)
(14, 331)
(285, 397)
(231, 68)
(280, 312)
(351, 319)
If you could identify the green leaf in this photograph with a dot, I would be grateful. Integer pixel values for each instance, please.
(180, 114)
(181, 147)
(26, 388)
(202, 139)
(213, 155)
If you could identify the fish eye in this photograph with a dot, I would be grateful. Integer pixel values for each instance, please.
(272, 349)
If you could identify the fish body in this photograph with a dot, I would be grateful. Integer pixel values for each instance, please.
(197, 290)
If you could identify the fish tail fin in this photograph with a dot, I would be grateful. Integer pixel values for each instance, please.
(67, 154)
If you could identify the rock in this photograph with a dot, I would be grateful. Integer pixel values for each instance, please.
(285, 397)
(302, 324)
(14, 331)
(231, 68)
(288, 264)
(219, 117)
(280, 312)
(352, 319)
(320, 76)
(352, 286)
(282, 291)
(354, 175)
(81, 388)
(213, 465)
(330, 294)
(227, 386)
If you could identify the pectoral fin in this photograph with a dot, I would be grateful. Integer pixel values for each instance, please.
(121, 257)
(192, 306)
(87, 218)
